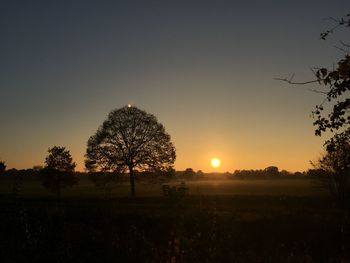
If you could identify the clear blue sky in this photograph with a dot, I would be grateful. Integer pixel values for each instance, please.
(204, 68)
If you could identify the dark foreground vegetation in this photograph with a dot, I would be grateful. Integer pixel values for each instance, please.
(38, 227)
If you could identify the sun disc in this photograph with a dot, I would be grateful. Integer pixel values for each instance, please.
(215, 162)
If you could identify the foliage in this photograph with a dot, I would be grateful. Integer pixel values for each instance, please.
(2, 167)
(27, 173)
(343, 21)
(37, 168)
(59, 170)
(189, 173)
(59, 159)
(272, 171)
(337, 84)
(156, 177)
(200, 174)
(268, 172)
(336, 163)
(130, 139)
(317, 173)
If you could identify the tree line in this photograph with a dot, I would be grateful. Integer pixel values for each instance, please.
(131, 141)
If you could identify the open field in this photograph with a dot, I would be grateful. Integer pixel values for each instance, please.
(286, 220)
(289, 187)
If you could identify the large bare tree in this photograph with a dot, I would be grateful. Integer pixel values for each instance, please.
(130, 139)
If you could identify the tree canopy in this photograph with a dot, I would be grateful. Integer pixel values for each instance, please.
(336, 164)
(59, 159)
(2, 167)
(336, 82)
(333, 115)
(59, 170)
(130, 139)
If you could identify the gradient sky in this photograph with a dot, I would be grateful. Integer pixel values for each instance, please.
(204, 68)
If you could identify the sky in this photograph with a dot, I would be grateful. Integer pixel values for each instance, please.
(205, 69)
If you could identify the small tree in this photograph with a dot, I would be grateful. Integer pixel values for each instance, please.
(59, 170)
(2, 167)
(130, 139)
(336, 164)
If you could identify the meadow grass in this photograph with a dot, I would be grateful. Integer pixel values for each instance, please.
(284, 220)
(289, 187)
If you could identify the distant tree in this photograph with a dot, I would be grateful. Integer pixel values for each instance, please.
(166, 175)
(272, 171)
(37, 168)
(200, 174)
(268, 172)
(2, 167)
(318, 173)
(130, 139)
(227, 175)
(59, 170)
(237, 174)
(189, 173)
(336, 164)
(284, 173)
(298, 174)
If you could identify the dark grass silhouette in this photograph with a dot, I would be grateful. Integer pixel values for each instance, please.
(186, 229)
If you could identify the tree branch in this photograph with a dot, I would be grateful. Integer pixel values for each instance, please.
(296, 83)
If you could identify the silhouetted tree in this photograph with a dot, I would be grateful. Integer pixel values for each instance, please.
(337, 84)
(166, 175)
(284, 173)
(298, 174)
(189, 173)
(318, 173)
(2, 167)
(268, 172)
(200, 174)
(272, 171)
(37, 168)
(130, 139)
(59, 170)
(336, 164)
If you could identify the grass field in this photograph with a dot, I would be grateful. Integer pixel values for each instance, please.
(85, 188)
(284, 220)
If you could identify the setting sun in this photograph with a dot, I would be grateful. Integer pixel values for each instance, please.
(215, 162)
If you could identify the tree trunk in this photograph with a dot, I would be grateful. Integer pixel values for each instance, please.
(132, 181)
